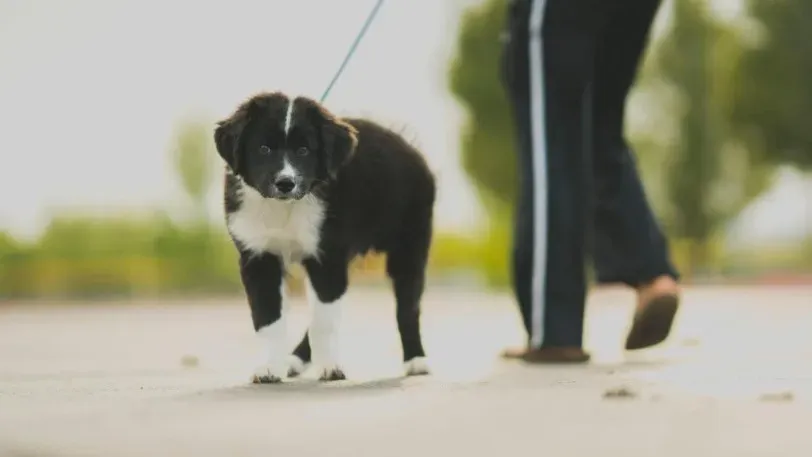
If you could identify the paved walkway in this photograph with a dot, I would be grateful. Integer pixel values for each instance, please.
(170, 379)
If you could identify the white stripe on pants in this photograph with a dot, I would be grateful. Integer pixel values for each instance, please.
(538, 130)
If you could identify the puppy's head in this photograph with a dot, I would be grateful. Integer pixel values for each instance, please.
(282, 147)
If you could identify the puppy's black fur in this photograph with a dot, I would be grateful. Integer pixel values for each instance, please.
(376, 192)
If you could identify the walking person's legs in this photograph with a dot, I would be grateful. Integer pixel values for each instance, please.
(548, 62)
(629, 247)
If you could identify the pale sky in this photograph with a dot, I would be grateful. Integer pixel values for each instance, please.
(90, 91)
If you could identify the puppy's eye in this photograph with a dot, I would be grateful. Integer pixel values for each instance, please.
(302, 151)
(264, 150)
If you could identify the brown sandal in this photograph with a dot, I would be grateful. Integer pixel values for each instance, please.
(553, 355)
(652, 323)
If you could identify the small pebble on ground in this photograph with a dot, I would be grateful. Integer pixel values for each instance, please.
(778, 396)
(619, 392)
(189, 361)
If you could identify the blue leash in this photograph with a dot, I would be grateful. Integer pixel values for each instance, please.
(352, 48)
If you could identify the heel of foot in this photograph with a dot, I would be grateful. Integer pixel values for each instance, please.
(417, 366)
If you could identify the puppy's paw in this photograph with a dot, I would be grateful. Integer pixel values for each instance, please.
(297, 366)
(417, 366)
(269, 374)
(326, 354)
(331, 373)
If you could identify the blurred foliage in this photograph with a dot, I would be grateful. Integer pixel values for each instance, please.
(773, 102)
(488, 155)
(708, 177)
(86, 258)
(92, 256)
(194, 159)
(80, 257)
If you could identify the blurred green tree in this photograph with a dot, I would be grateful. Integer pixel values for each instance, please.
(196, 249)
(773, 91)
(707, 177)
(193, 157)
(488, 152)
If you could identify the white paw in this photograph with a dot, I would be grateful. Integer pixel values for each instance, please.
(324, 331)
(296, 367)
(274, 361)
(269, 374)
(418, 366)
(332, 373)
(326, 357)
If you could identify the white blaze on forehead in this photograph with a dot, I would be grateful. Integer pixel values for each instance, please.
(289, 116)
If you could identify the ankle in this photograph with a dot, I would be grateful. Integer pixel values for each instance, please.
(664, 283)
(661, 285)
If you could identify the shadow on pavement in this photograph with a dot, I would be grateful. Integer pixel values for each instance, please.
(297, 388)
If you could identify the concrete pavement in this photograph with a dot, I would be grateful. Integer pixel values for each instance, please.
(170, 378)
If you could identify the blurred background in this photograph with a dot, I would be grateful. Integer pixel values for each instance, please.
(110, 186)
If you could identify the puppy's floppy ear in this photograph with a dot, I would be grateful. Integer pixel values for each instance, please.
(227, 137)
(339, 139)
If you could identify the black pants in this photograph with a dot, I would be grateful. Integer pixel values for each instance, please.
(568, 66)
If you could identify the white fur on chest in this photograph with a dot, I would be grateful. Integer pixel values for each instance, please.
(289, 229)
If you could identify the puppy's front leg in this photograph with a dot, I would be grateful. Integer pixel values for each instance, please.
(262, 277)
(327, 283)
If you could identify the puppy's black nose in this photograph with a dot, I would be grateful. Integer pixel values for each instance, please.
(284, 185)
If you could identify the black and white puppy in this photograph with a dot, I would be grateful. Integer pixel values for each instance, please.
(304, 186)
